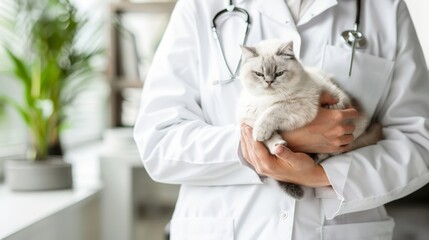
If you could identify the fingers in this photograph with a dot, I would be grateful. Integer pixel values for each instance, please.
(285, 166)
(347, 129)
(342, 136)
(342, 144)
(344, 115)
(255, 152)
(285, 154)
(244, 144)
(341, 130)
(327, 99)
(259, 150)
(345, 140)
(251, 149)
(349, 113)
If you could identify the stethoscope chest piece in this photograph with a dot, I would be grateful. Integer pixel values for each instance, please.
(352, 37)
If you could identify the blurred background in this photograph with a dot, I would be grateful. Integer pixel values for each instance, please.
(112, 196)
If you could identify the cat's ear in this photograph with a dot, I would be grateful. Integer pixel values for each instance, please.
(286, 50)
(248, 52)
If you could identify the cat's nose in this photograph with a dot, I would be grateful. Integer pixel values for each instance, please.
(269, 82)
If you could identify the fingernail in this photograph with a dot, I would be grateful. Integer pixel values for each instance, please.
(248, 130)
(280, 149)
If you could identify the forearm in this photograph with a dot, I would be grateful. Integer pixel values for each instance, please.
(370, 177)
(178, 149)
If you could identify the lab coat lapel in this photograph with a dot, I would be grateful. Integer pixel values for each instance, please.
(315, 9)
(277, 22)
(275, 10)
(255, 34)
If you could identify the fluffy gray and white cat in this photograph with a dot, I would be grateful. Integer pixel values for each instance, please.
(279, 94)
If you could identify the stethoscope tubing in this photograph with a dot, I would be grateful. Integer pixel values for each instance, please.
(353, 38)
(230, 9)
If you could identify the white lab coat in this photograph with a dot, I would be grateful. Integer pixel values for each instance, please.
(187, 133)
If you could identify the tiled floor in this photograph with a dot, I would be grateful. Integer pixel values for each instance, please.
(411, 222)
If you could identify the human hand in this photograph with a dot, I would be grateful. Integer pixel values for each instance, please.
(330, 132)
(286, 166)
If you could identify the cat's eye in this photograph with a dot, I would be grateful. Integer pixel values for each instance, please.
(259, 74)
(278, 74)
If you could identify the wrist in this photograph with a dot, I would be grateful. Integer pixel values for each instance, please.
(320, 179)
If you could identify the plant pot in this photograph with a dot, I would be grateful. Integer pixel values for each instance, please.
(51, 174)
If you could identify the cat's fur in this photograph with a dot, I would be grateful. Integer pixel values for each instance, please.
(279, 94)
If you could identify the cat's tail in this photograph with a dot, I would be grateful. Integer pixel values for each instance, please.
(292, 189)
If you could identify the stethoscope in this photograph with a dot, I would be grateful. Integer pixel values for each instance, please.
(230, 9)
(353, 38)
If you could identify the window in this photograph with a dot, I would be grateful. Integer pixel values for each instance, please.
(12, 128)
(86, 117)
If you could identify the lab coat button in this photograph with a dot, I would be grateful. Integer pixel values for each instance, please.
(283, 214)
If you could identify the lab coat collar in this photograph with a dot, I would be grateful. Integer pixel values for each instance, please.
(278, 10)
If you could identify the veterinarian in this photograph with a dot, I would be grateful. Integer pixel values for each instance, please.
(187, 132)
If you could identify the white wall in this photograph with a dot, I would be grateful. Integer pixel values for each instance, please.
(419, 10)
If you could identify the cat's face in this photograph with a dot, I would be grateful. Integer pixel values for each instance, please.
(269, 68)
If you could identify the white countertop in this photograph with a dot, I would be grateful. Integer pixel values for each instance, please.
(19, 210)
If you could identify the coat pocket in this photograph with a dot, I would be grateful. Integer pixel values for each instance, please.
(382, 230)
(370, 78)
(202, 229)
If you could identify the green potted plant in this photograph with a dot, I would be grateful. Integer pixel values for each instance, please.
(52, 71)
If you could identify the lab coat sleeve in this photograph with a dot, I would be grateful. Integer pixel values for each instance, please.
(175, 142)
(398, 165)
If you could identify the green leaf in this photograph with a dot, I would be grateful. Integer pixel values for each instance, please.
(21, 110)
(46, 60)
(20, 70)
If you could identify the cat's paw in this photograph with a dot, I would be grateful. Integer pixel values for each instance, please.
(272, 144)
(261, 134)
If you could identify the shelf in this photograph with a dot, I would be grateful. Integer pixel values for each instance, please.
(128, 45)
(122, 83)
(143, 7)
